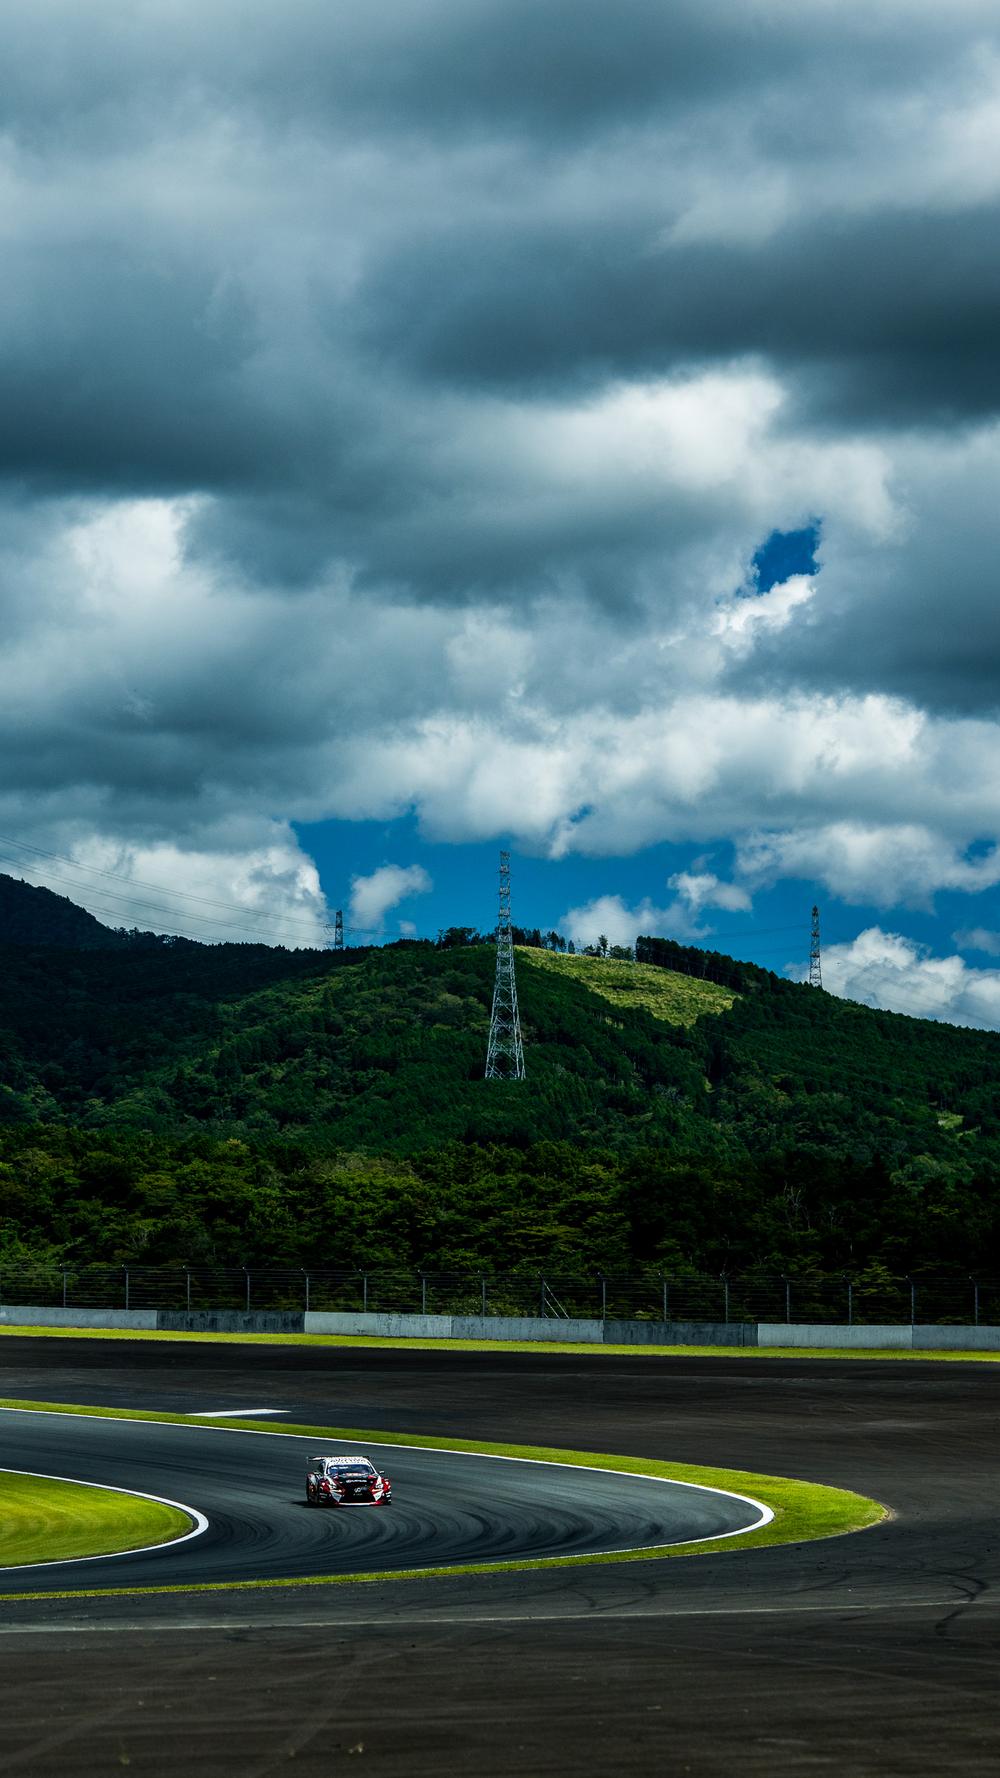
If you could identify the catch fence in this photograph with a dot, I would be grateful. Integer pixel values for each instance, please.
(865, 1299)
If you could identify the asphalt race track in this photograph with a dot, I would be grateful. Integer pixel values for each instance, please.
(446, 1508)
(872, 1654)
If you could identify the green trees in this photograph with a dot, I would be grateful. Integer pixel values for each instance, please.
(203, 1104)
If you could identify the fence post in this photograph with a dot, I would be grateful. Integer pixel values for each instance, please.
(666, 1299)
(850, 1302)
(725, 1296)
(604, 1298)
(246, 1270)
(423, 1293)
(541, 1295)
(125, 1269)
(913, 1302)
(64, 1287)
(187, 1293)
(307, 1293)
(483, 1283)
(364, 1293)
(788, 1302)
(975, 1302)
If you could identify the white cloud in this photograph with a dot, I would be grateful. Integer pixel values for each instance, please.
(608, 914)
(158, 702)
(867, 795)
(372, 897)
(694, 892)
(884, 865)
(702, 889)
(737, 619)
(883, 969)
(261, 889)
(978, 938)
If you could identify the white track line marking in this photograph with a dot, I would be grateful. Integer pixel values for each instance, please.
(200, 1523)
(766, 1513)
(233, 1413)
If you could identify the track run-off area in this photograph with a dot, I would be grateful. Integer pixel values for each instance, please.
(869, 1653)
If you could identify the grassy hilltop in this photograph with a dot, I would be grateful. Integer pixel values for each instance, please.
(234, 1102)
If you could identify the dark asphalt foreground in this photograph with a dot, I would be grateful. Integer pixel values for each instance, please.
(874, 1654)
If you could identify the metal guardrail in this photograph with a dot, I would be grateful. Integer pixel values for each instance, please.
(867, 1299)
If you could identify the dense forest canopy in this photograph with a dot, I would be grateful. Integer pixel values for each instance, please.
(174, 1101)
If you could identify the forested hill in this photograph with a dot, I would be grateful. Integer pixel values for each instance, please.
(31, 916)
(239, 1100)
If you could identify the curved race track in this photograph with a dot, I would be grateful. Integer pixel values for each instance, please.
(871, 1656)
(448, 1507)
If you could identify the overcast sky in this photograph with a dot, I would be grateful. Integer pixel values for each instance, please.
(396, 402)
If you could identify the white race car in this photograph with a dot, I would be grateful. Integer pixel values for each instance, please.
(346, 1481)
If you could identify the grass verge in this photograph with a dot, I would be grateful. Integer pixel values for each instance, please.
(574, 1348)
(43, 1519)
(803, 1511)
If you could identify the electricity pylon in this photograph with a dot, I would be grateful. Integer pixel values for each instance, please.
(815, 965)
(505, 1054)
(338, 930)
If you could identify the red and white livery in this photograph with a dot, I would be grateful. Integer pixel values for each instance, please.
(346, 1481)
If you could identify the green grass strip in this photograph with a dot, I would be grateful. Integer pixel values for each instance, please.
(573, 1348)
(43, 1519)
(803, 1511)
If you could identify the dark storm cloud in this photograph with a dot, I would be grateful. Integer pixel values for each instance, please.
(255, 250)
(917, 617)
(255, 244)
(888, 319)
(115, 374)
(388, 390)
(556, 70)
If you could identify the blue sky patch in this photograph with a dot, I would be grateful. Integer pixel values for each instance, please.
(786, 553)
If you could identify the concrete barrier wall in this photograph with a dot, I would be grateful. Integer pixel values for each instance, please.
(577, 1332)
(230, 1321)
(24, 1315)
(779, 1333)
(680, 1333)
(527, 1327)
(923, 1337)
(832, 1336)
(386, 1327)
(454, 1327)
(534, 1327)
(956, 1339)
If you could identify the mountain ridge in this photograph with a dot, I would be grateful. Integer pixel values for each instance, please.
(214, 1102)
(31, 915)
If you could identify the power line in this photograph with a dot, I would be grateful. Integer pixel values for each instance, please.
(245, 914)
(104, 900)
(249, 921)
(139, 882)
(115, 905)
(755, 932)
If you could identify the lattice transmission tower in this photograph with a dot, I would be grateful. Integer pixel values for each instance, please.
(505, 1054)
(815, 963)
(338, 930)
